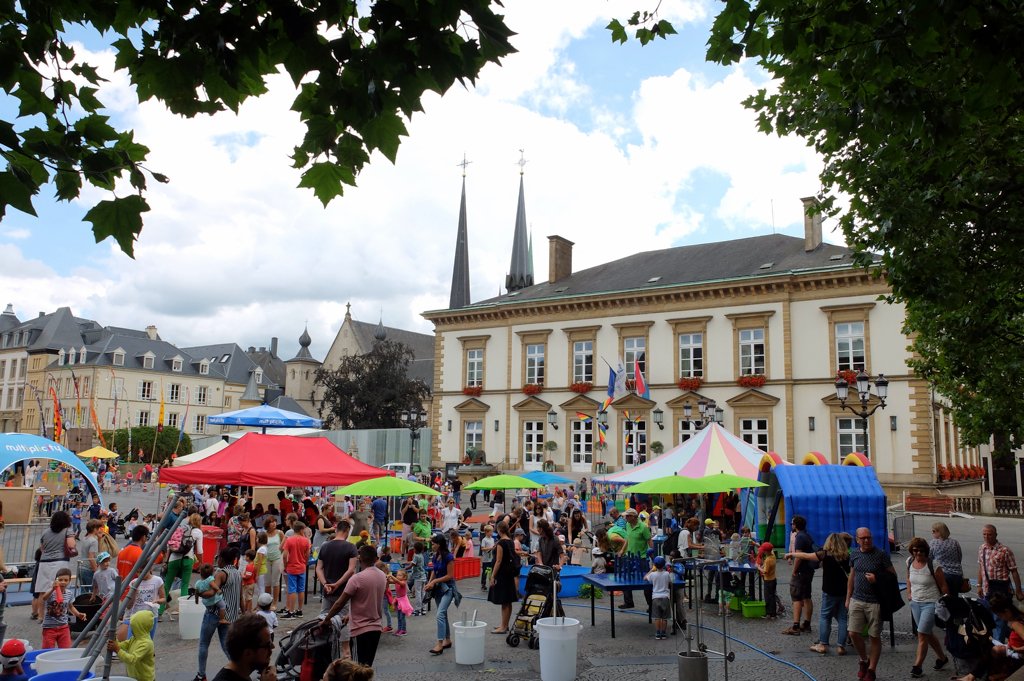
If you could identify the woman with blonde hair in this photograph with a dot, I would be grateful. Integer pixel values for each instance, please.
(834, 558)
(945, 552)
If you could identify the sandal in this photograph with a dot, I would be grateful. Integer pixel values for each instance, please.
(432, 651)
(499, 631)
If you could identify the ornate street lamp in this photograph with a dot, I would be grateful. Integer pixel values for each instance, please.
(413, 419)
(863, 385)
(709, 411)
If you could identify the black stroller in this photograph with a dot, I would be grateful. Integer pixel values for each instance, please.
(968, 632)
(541, 583)
(306, 645)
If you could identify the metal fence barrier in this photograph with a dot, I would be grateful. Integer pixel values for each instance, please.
(19, 542)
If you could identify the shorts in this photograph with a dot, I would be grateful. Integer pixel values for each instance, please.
(297, 583)
(660, 608)
(800, 587)
(864, 616)
(924, 616)
(57, 637)
(248, 591)
(274, 571)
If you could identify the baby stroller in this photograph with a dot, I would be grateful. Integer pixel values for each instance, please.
(969, 628)
(306, 648)
(537, 603)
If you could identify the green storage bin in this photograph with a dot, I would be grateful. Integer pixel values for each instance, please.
(753, 609)
(779, 537)
(736, 603)
(620, 504)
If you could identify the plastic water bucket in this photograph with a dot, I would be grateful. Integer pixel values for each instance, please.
(30, 660)
(558, 639)
(65, 675)
(468, 639)
(693, 666)
(190, 618)
(63, 659)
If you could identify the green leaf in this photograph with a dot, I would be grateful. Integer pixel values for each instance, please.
(17, 193)
(325, 180)
(68, 184)
(618, 31)
(385, 132)
(120, 218)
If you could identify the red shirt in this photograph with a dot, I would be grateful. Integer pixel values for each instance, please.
(127, 558)
(297, 547)
(286, 507)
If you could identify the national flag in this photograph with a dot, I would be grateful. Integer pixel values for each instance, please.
(160, 417)
(641, 385)
(620, 381)
(611, 389)
(58, 422)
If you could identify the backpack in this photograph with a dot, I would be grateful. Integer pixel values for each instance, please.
(180, 542)
(108, 544)
(517, 562)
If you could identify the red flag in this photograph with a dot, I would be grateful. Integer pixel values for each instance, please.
(641, 385)
(58, 423)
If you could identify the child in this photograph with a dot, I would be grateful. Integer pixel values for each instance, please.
(103, 579)
(576, 552)
(402, 605)
(12, 654)
(76, 519)
(138, 653)
(149, 595)
(486, 555)
(387, 603)
(261, 562)
(419, 577)
(661, 595)
(264, 602)
(214, 603)
(766, 566)
(599, 562)
(56, 629)
(248, 580)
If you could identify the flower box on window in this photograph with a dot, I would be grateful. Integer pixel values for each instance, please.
(848, 375)
(690, 383)
(631, 384)
(581, 387)
(473, 390)
(752, 380)
(533, 388)
(944, 474)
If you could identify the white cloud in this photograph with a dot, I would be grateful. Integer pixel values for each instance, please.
(17, 234)
(233, 251)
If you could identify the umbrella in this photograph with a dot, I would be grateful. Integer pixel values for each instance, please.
(678, 484)
(504, 482)
(387, 486)
(98, 453)
(545, 478)
(265, 416)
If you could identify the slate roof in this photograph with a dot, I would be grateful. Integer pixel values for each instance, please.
(227, 361)
(8, 320)
(288, 404)
(421, 344)
(53, 331)
(273, 366)
(682, 265)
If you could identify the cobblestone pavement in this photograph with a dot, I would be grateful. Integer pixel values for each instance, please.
(761, 651)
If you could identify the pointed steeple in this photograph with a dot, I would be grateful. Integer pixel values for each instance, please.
(460, 270)
(304, 343)
(380, 333)
(520, 274)
(529, 257)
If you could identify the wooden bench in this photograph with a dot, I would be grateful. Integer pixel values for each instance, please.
(920, 503)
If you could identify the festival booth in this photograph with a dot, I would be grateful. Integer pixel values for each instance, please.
(274, 461)
(15, 447)
(832, 498)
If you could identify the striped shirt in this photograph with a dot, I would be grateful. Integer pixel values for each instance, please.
(996, 563)
(232, 592)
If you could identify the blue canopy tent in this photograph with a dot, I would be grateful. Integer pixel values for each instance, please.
(543, 478)
(15, 447)
(832, 499)
(264, 416)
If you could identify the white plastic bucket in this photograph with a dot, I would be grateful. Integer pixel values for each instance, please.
(558, 639)
(190, 618)
(65, 659)
(468, 639)
(120, 678)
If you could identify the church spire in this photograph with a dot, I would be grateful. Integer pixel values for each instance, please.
(460, 270)
(520, 274)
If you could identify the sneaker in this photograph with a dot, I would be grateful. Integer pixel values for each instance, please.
(792, 631)
(297, 613)
(820, 648)
(862, 670)
(281, 611)
(286, 615)
(386, 630)
(939, 664)
(200, 677)
(916, 672)
(806, 626)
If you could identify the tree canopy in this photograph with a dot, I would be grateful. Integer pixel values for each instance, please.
(361, 70)
(371, 390)
(142, 438)
(918, 112)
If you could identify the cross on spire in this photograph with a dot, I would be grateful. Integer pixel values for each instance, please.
(522, 161)
(464, 164)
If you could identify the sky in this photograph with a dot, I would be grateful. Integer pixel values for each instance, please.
(627, 149)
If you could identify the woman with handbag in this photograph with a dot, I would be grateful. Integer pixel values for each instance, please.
(945, 553)
(56, 548)
(503, 590)
(925, 585)
(443, 590)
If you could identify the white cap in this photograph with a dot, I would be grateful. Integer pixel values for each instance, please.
(264, 600)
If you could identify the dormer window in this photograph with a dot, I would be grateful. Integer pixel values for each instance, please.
(225, 357)
(176, 365)
(72, 356)
(259, 375)
(147, 361)
(60, 358)
(119, 358)
(81, 355)
(204, 368)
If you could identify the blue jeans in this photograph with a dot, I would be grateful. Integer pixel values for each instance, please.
(832, 606)
(443, 601)
(386, 610)
(207, 629)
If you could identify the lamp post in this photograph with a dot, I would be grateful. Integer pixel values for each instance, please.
(709, 411)
(413, 419)
(863, 396)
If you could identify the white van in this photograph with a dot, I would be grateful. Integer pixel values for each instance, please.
(402, 469)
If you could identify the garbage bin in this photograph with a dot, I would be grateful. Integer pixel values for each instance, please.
(89, 604)
(558, 642)
(213, 541)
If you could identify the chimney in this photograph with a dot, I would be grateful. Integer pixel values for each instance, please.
(151, 332)
(559, 258)
(263, 348)
(273, 346)
(812, 223)
(42, 314)
(252, 349)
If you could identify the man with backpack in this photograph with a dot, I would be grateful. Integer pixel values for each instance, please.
(186, 548)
